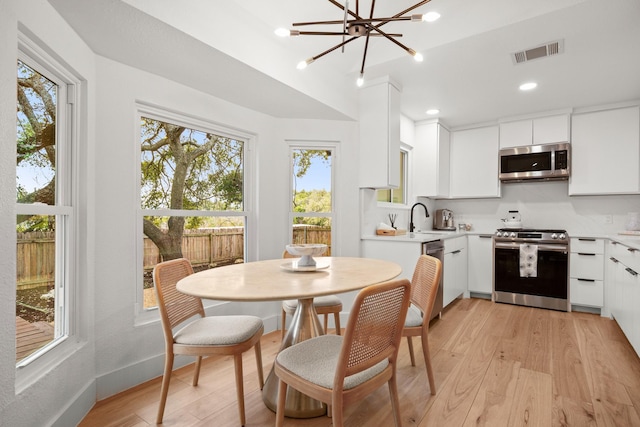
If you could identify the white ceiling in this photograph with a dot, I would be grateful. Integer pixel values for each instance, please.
(228, 49)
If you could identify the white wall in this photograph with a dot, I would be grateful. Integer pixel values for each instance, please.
(546, 205)
(114, 349)
(58, 385)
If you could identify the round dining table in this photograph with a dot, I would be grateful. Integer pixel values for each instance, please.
(282, 279)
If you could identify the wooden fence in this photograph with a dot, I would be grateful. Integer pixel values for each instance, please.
(211, 247)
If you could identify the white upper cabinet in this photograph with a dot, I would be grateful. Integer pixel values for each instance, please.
(540, 130)
(379, 105)
(430, 156)
(605, 152)
(474, 163)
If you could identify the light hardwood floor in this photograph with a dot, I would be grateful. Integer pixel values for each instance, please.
(495, 365)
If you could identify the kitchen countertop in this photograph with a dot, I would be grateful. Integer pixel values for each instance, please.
(632, 241)
(417, 237)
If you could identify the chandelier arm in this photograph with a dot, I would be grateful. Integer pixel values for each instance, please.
(320, 55)
(364, 55)
(382, 33)
(354, 14)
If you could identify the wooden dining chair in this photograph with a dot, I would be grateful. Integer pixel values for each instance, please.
(324, 305)
(424, 287)
(339, 370)
(204, 336)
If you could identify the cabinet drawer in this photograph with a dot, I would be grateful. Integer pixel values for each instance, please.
(587, 266)
(586, 292)
(594, 246)
(455, 244)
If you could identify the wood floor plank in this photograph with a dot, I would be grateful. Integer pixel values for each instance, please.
(505, 360)
(492, 404)
(532, 400)
(569, 377)
(538, 357)
(567, 412)
(458, 393)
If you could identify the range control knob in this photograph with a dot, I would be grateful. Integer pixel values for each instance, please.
(554, 236)
(562, 236)
(498, 233)
(512, 235)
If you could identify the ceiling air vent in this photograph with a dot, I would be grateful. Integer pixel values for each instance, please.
(547, 49)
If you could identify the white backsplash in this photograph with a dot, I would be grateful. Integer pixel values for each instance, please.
(541, 205)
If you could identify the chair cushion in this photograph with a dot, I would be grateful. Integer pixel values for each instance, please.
(315, 360)
(414, 317)
(324, 301)
(218, 330)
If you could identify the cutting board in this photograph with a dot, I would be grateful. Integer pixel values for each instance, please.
(398, 232)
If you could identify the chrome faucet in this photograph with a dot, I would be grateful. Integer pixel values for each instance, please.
(411, 227)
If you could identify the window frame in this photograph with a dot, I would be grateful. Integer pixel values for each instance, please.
(65, 209)
(148, 315)
(314, 145)
(404, 178)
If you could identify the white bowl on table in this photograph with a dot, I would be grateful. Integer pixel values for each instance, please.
(307, 251)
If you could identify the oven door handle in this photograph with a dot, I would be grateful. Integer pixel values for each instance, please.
(542, 247)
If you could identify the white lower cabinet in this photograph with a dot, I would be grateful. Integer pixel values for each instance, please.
(454, 279)
(624, 265)
(404, 253)
(587, 272)
(480, 253)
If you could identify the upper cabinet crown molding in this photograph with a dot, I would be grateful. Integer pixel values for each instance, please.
(379, 124)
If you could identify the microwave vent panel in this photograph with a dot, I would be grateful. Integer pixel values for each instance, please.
(547, 49)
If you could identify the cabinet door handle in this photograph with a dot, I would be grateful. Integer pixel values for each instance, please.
(456, 252)
(486, 236)
(584, 239)
(614, 260)
(631, 271)
(586, 254)
(586, 280)
(631, 249)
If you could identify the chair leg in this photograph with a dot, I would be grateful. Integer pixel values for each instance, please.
(258, 351)
(336, 410)
(237, 360)
(196, 372)
(326, 322)
(282, 396)
(166, 378)
(427, 362)
(336, 319)
(395, 402)
(283, 322)
(413, 358)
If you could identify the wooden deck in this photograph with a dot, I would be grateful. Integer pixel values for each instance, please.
(31, 337)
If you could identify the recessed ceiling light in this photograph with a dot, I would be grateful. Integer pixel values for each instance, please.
(433, 111)
(528, 86)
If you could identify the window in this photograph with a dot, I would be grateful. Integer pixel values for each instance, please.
(397, 195)
(191, 195)
(311, 208)
(44, 205)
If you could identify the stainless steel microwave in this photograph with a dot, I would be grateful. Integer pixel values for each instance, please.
(535, 162)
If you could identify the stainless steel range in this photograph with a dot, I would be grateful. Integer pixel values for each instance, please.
(531, 268)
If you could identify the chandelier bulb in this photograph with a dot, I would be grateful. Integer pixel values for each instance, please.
(303, 64)
(360, 80)
(430, 16)
(417, 56)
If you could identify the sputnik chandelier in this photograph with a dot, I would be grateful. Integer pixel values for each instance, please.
(355, 26)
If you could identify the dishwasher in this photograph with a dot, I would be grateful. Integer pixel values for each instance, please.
(435, 249)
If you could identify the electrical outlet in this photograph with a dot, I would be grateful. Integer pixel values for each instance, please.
(608, 219)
